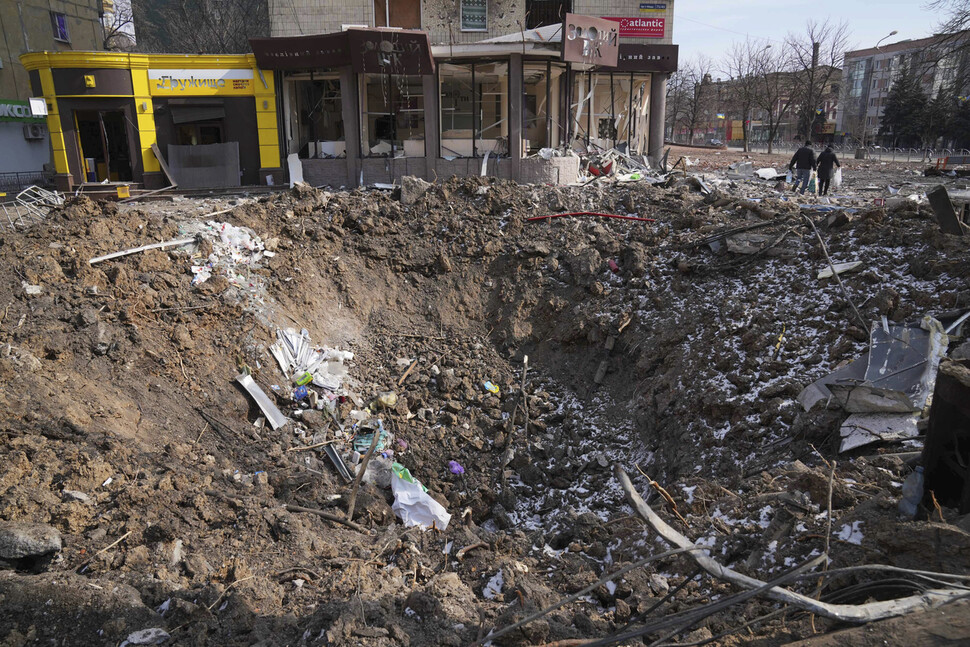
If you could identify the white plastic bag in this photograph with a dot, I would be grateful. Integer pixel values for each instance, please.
(837, 178)
(415, 508)
(788, 177)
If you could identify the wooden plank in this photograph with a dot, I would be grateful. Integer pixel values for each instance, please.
(161, 162)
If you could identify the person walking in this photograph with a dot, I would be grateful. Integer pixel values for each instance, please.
(803, 161)
(827, 161)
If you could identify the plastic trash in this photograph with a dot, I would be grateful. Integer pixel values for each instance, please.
(300, 393)
(364, 437)
(788, 176)
(491, 388)
(455, 467)
(912, 494)
(837, 179)
(813, 182)
(412, 503)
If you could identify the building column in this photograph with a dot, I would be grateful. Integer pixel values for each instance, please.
(350, 112)
(152, 177)
(267, 130)
(516, 121)
(658, 113)
(63, 179)
(432, 125)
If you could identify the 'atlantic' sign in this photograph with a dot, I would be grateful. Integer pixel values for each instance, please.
(640, 27)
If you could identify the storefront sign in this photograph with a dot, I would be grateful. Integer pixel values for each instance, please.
(594, 41)
(390, 52)
(190, 82)
(379, 51)
(320, 51)
(641, 27)
(635, 57)
(653, 7)
(13, 110)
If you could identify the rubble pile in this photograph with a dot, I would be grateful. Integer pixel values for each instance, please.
(186, 429)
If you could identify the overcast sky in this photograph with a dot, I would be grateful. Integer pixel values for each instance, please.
(710, 26)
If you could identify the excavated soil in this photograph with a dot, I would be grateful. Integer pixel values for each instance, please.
(122, 426)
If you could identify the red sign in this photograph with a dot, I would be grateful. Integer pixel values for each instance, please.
(640, 27)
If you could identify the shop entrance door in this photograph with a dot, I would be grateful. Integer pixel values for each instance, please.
(103, 141)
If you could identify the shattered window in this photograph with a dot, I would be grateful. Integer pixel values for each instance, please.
(392, 111)
(321, 123)
(610, 110)
(542, 88)
(474, 109)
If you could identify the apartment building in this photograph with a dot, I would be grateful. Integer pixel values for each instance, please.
(32, 25)
(869, 75)
(371, 90)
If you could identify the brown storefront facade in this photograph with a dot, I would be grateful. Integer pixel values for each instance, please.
(369, 106)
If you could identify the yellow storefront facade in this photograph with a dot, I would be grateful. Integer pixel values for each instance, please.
(211, 118)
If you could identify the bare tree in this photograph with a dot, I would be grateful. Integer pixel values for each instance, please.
(817, 60)
(119, 27)
(200, 26)
(956, 22)
(676, 99)
(742, 66)
(697, 93)
(775, 91)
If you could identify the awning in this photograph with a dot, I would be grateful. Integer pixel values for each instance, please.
(379, 51)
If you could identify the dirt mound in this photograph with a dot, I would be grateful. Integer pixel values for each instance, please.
(650, 344)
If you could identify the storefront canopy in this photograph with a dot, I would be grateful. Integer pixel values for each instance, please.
(387, 51)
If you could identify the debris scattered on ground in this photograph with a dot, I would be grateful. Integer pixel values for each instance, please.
(187, 503)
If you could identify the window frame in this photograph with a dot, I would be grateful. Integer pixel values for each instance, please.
(56, 27)
(461, 17)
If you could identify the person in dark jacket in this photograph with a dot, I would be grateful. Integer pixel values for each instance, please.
(803, 161)
(827, 161)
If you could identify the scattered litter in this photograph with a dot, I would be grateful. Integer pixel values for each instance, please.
(851, 533)
(413, 504)
(273, 415)
(455, 467)
(30, 289)
(769, 174)
(153, 636)
(840, 268)
(494, 587)
(233, 249)
(491, 388)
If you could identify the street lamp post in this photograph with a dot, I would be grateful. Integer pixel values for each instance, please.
(865, 126)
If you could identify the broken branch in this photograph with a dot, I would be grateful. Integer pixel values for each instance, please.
(853, 613)
(327, 516)
(838, 278)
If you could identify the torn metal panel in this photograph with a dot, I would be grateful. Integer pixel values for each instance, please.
(273, 414)
(904, 359)
(819, 390)
(943, 209)
(338, 463)
(896, 375)
(864, 428)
